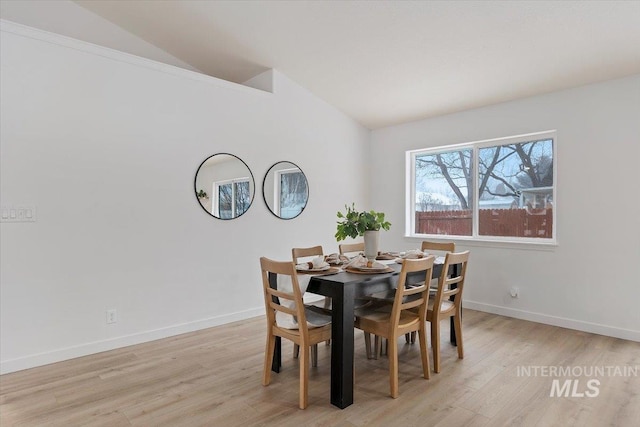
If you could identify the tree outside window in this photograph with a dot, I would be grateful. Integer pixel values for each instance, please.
(233, 198)
(293, 193)
(512, 181)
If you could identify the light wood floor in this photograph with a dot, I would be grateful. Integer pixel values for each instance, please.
(212, 378)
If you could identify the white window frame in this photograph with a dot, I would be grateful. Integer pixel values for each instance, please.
(277, 186)
(216, 192)
(475, 146)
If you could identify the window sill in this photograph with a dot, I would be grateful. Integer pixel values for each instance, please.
(528, 245)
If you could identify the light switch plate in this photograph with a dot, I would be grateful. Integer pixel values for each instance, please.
(18, 214)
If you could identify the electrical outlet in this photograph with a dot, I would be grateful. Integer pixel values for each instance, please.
(112, 316)
(515, 292)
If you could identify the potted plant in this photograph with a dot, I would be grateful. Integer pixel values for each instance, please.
(366, 223)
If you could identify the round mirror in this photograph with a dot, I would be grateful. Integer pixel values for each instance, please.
(224, 186)
(285, 190)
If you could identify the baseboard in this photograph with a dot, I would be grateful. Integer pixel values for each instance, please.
(59, 355)
(595, 328)
(13, 365)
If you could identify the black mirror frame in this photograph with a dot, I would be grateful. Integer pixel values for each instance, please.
(195, 188)
(264, 197)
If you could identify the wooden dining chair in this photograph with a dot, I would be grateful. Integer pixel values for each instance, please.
(314, 251)
(306, 252)
(438, 246)
(436, 249)
(323, 304)
(346, 248)
(408, 314)
(447, 303)
(305, 335)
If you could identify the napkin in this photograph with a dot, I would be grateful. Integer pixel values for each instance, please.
(333, 259)
(360, 261)
(414, 254)
(315, 264)
(385, 256)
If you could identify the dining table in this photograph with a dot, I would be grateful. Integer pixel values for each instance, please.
(345, 288)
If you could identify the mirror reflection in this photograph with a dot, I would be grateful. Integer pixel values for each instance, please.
(285, 190)
(224, 186)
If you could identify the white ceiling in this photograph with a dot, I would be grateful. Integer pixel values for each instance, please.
(387, 62)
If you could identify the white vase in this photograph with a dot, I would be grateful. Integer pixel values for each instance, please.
(371, 241)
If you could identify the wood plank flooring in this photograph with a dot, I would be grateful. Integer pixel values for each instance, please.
(213, 378)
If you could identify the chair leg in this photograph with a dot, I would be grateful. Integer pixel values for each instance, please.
(268, 359)
(377, 347)
(304, 377)
(381, 347)
(314, 355)
(367, 343)
(457, 325)
(435, 343)
(424, 353)
(410, 337)
(296, 351)
(393, 366)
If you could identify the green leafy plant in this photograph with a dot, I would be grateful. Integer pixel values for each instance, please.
(353, 223)
(202, 194)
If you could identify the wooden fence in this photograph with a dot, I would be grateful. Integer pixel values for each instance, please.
(492, 222)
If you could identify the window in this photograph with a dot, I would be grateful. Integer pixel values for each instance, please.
(501, 189)
(232, 198)
(292, 192)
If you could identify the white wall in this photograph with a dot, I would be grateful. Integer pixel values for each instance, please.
(106, 146)
(590, 280)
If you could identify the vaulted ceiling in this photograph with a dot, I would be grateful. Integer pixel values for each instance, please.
(384, 62)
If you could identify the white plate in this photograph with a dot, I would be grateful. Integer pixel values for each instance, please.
(314, 270)
(365, 268)
(438, 260)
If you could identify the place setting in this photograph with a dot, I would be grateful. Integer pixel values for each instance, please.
(417, 254)
(362, 265)
(317, 266)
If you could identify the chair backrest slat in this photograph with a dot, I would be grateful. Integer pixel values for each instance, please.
(283, 309)
(281, 294)
(438, 246)
(411, 304)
